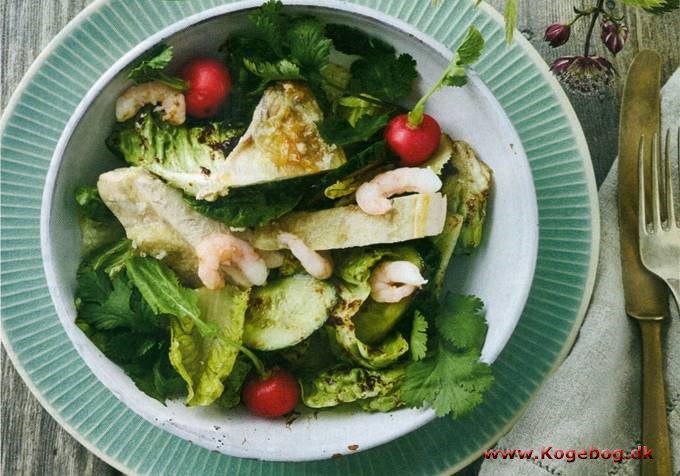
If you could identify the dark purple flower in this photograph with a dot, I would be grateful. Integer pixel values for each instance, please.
(557, 34)
(584, 74)
(614, 35)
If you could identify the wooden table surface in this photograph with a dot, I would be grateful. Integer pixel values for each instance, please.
(31, 441)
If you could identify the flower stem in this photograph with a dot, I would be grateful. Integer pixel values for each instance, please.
(597, 11)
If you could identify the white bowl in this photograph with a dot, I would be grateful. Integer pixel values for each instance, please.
(500, 271)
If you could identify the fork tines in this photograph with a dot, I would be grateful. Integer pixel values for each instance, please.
(662, 186)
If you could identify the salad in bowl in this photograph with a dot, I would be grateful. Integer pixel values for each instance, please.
(280, 226)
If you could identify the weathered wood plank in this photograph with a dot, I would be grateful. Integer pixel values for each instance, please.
(31, 441)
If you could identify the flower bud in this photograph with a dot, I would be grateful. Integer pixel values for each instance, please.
(614, 35)
(557, 34)
(584, 74)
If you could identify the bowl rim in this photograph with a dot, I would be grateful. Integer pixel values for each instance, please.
(125, 59)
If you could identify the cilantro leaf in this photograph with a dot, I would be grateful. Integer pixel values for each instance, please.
(470, 48)
(151, 65)
(452, 383)
(113, 314)
(112, 311)
(387, 77)
(341, 132)
(279, 71)
(419, 337)
(308, 45)
(461, 321)
(352, 41)
(106, 304)
(268, 23)
(468, 52)
(93, 286)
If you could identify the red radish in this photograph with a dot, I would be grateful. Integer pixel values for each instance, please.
(415, 136)
(273, 396)
(209, 85)
(413, 144)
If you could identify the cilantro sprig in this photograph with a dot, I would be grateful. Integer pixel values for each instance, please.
(447, 373)
(280, 47)
(151, 65)
(467, 53)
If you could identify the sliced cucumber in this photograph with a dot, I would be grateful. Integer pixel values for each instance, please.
(285, 312)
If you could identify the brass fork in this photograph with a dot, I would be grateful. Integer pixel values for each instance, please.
(660, 242)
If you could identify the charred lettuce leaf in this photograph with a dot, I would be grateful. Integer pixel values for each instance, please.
(183, 156)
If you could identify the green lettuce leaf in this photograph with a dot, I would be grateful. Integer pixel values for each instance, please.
(187, 157)
(98, 225)
(205, 361)
(333, 387)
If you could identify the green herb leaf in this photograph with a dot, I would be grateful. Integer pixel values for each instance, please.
(110, 258)
(452, 383)
(341, 132)
(418, 337)
(279, 71)
(371, 156)
(268, 23)
(308, 45)
(470, 49)
(461, 321)
(151, 65)
(655, 6)
(109, 312)
(467, 53)
(353, 41)
(160, 287)
(354, 108)
(387, 77)
(255, 205)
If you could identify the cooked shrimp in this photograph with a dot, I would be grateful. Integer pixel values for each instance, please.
(221, 253)
(373, 197)
(316, 264)
(171, 102)
(392, 281)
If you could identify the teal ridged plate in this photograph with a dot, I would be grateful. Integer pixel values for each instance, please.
(67, 78)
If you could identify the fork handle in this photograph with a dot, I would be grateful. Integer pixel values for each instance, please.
(654, 420)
